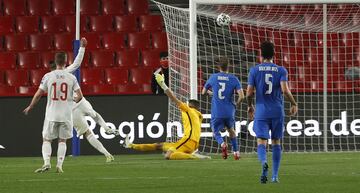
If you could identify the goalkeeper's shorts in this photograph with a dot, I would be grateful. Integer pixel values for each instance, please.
(184, 145)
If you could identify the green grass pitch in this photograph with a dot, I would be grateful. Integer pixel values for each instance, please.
(299, 173)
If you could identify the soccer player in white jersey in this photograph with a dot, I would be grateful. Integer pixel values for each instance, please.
(83, 108)
(60, 87)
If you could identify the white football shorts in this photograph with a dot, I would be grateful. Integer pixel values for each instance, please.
(82, 108)
(53, 130)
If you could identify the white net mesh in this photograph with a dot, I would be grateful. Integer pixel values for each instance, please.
(297, 32)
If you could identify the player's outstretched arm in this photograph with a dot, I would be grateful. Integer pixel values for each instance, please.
(34, 101)
(250, 99)
(161, 81)
(286, 91)
(77, 62)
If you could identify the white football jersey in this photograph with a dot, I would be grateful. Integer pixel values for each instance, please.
(60, 86)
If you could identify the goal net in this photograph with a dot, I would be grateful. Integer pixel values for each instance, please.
(325, 86)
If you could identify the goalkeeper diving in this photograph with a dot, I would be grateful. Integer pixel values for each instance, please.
(186, 147)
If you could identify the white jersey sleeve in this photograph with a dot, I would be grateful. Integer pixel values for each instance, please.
(77, 62)
(43, 85)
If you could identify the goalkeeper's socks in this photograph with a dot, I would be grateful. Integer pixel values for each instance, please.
(61, 154)
(276, 157)
(261, 151)
(46, 152)
(234, 145)
(97, 144)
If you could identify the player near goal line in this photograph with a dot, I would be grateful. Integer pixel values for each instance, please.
(83, 108)
(61, 87)
(224, 85)
(186, 147)
(268, 82)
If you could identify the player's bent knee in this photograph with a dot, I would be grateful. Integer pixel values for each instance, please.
(262, 141)
(275, 141)
(62, 140)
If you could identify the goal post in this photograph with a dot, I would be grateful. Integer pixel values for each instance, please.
(316, 45)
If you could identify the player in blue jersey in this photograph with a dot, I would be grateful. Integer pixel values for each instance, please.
(224, 86)
(269, 83)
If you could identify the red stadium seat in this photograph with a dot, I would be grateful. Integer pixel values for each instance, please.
(113, 7)
(116, 76)
(17, 77)
(2, 78)
(150, 58)
(130, 89)
(7, 90)
(7, 60)
(27, 24)
(16, 43)
(63, 7)
(92, 76)
(314, 57)
(141, 75)
(159, 41)
(7, 25)
(93, 40)
(53, 24)
(292, 57)
(102, 59)
(14, 7)
(350, 39)
(138, 7)
(29, 60)
(86, 60)
(46, 57)
(357, 57)
(36, 76)
(39, 7)
(89, 7)
(101, 23)
(41, 42)
(341, 56)
(113, 41)
(125, 23)
(127, 58)
(98, 89)
(28, 90)
(140, 40)
(333, 39)
(304, 39)
(64, 41)
(279, 38)
(70, 24)
(151, 23)
(1, 43)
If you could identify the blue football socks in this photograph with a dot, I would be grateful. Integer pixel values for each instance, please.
(235, 147)
(276, 157)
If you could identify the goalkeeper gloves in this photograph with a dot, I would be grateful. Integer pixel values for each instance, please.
(161, 81)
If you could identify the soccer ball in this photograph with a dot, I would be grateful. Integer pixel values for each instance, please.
(223, 19)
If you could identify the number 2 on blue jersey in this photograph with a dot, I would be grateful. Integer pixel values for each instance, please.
(268, 81)
(221, 90)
